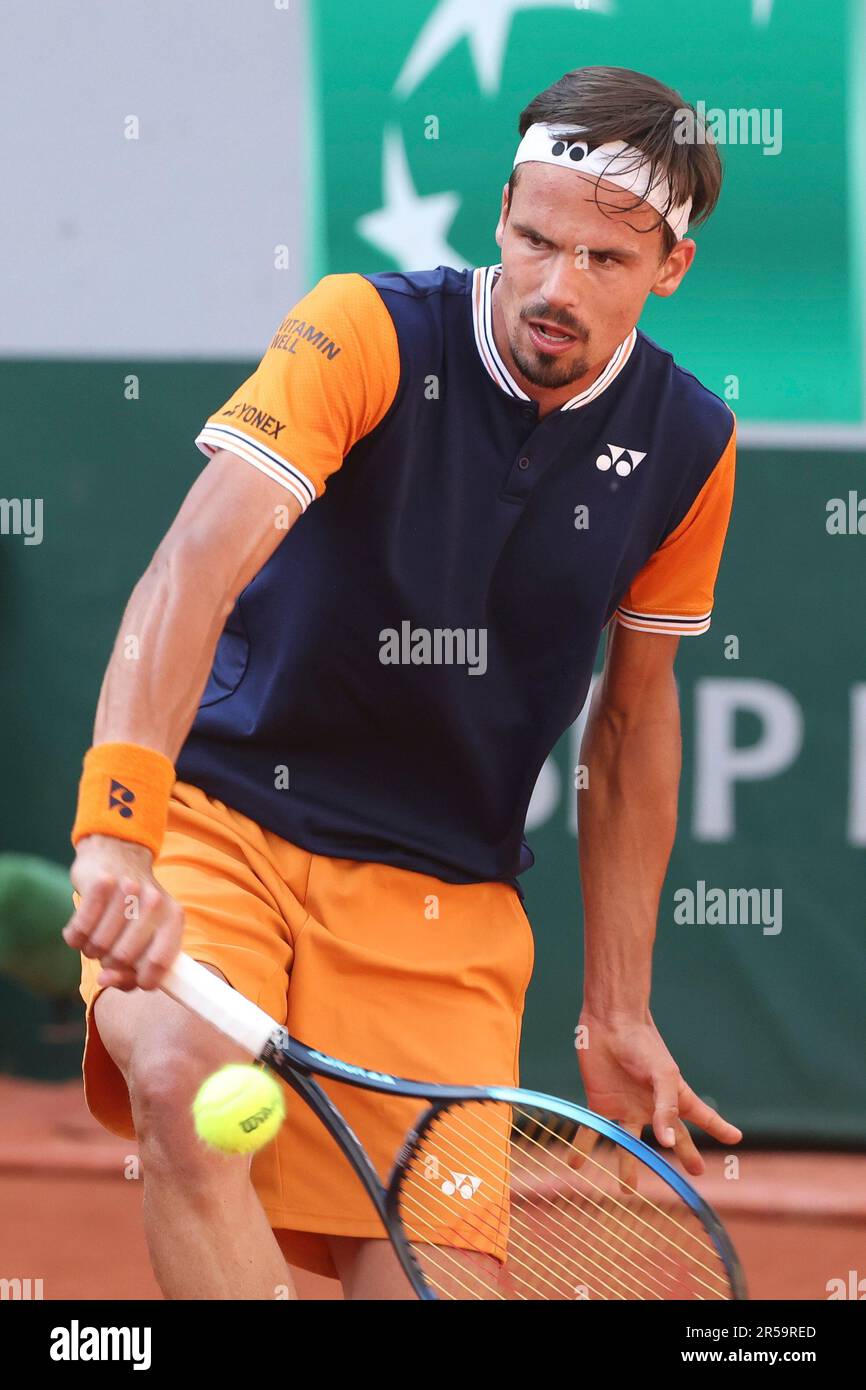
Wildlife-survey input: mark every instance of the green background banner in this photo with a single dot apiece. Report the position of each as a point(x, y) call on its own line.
point(778, 281)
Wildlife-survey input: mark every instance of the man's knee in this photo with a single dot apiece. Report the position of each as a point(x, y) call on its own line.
point(138, 1025)
point(162, 1087)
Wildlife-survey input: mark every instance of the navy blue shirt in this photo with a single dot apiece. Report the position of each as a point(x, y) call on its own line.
point(390, 683)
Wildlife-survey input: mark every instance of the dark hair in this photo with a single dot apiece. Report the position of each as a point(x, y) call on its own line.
point(618, 104)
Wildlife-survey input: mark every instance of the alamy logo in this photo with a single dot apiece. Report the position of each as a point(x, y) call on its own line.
point(719, 907)
point(438, 646)
point(77, 1343)
point(622, 461)
point(22, 516)
point(853, 1287)
point(24, 1289)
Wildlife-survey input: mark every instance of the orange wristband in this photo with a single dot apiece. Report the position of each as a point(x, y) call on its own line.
point(124, 791)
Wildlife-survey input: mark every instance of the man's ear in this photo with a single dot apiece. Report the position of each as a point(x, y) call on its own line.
point(503, 216)
point(675, 268)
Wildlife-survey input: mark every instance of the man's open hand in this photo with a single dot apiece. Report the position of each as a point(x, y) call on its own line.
point(630, 1077)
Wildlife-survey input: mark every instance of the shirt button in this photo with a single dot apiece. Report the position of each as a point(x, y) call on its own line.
point(523, 463)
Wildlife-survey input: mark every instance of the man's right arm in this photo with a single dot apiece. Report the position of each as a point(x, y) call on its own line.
point(230, 523)
point(328, 377)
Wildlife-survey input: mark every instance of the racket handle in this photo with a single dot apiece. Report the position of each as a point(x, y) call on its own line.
point(206, 995)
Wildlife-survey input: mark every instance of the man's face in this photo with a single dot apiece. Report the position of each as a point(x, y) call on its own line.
point(575, 277)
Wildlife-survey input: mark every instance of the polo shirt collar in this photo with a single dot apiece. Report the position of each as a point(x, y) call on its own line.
point(483, 281)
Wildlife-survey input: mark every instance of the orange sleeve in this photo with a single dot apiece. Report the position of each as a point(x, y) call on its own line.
point(328, 377)
point(673, 593)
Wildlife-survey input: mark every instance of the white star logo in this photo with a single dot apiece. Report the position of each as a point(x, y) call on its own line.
point(410, 228)
point(486, 24)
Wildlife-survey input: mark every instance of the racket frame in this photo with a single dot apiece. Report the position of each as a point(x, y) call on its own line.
point(212, 999)
point(298, 1064)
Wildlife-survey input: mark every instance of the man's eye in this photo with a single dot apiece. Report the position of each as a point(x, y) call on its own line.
point(534, 240)
point(602, 258)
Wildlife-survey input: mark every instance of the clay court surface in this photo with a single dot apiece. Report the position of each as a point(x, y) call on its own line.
point(70, 1208)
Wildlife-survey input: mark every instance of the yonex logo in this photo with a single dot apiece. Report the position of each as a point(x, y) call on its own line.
point(575, 150)
point(119, 798)
point(622, 461)
point(460, 1184)
point(259, 419)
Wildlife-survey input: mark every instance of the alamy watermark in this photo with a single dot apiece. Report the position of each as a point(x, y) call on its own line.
point(85, 1343)
point(437, 646)
point(22, 516)
point(852, 1287)
point(25, 1290)
point(754, 125)
point(729, 907)
point(846, 516)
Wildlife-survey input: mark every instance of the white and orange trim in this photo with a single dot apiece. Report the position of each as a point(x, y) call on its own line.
point(288, 475)
point(483, 282)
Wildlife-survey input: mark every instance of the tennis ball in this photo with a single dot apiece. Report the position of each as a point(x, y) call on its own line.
point(239, 1109)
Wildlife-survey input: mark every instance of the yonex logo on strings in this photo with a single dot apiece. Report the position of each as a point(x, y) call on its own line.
point(622, 461)
point(119, 798)
point(463, 1183)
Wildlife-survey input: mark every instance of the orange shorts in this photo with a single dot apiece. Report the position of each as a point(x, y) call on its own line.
point(391, 969)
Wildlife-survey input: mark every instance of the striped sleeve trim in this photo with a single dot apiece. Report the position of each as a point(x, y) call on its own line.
point(214, 437)
point(669, 624)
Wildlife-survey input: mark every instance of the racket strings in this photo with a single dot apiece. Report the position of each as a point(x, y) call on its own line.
point(680, 1250)
point(587, 1158)
point(614, 1206)
point(543, 1240)
point(584, 1277)
point(534, 1286)
point(535, 1220)
point(422, 1220)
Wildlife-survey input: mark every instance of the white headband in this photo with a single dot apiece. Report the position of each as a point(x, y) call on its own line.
point(616, 162)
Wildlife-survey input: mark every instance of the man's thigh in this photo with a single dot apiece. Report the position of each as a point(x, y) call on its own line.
point(145, 1029)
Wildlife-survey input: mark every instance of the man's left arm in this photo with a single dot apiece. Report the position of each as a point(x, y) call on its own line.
point(627, 822)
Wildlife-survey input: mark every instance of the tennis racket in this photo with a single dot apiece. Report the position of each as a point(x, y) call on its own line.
point(499, 1192)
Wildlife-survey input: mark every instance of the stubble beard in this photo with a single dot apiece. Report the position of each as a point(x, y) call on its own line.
point(551, 372)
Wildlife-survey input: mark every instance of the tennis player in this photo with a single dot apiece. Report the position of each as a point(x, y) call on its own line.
point(314, 776)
